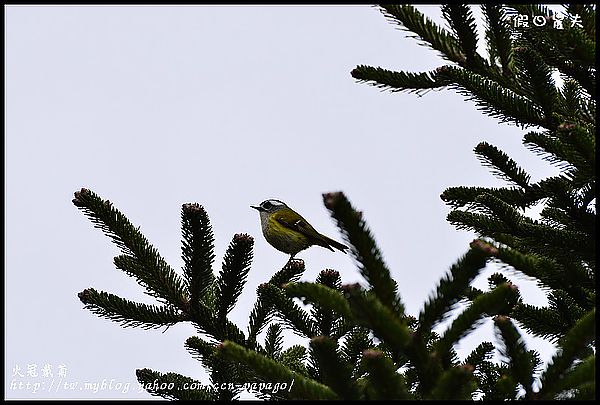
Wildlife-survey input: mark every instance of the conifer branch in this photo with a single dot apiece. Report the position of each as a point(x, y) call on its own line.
point(571, 277)
point(174, 386)
point(451, 288)
point(292, 271)
point(201, 350)
point(152, 271)
point(334, 373)
point(365, 250)
point(540, 321)
point(519, 232)
point(498, 301)
point(356, 342)
point(262, 312)
point(457, 197)
point(481, 353)
point(293, 358)
point(499, 42)
point(557, 50)
point(129, 313)
point(587, 12)
point(383, 380)
point(513, 349)
point(321, 294)
point(395, 81)
point(456, 383)
point(325, 318)
point(220, 329)
point(371, 313)
point(535, 79)
point(492, 98)
point(286, 309)
point(498, 209)
point(558, 153)
point(427, 31)
point(501, 165)
point(231, 279)
point(273, 341)
point(582, 373)
point(300, 386)
point(570, 348)
point(197, 250)
point(461, 21)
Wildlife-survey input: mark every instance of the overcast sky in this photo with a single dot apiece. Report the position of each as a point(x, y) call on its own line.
point(153, 107)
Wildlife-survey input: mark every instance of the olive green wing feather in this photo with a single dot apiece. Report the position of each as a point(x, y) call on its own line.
point(297, 223)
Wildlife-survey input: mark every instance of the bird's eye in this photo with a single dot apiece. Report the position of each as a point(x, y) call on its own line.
point(267, 205)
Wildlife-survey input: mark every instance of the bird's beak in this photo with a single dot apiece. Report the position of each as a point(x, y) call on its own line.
point(256, 208)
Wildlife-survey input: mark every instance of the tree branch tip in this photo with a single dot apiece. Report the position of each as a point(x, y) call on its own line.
point(351, 288)
point(142, 372)
point(330, 199)
point(565, 126)
point(468, 368)
point(243, 237)
point(192, 207)
point(84, 296)
point(330, 273)
point(262, 288)
point(501, 319)
point(484, 246)
point(318, 339)
point(77, 201)
point(370, 354)
point(295, 263)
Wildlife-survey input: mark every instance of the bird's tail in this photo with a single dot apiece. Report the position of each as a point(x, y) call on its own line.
point(330, 242)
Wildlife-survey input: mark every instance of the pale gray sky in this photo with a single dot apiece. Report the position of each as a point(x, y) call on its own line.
point(154, 106)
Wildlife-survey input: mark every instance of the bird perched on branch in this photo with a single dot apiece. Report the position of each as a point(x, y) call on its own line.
point(288, 232)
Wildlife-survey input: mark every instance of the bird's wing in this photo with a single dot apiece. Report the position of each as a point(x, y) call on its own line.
point(300, 225)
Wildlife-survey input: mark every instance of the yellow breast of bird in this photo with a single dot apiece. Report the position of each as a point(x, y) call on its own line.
point(284, 239)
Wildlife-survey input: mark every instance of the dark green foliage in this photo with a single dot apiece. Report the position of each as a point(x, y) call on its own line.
point(499, 41)
point(502, 165)
point(231, 280)
point(499, 300)
point(457, 383)
point(128, 313)
point(363, 344)
point(196, 250)
point(364, 250)
point(481, 353)
point(383, 382)
point(173, 386)
point(273, 341)
point(516, 83)
point(302, 388)
point(572, 346)
point(262, 312)
point(425, 30)
point(491, 97)
point(396, 81)
point(356, 342)
point(450, 288)
point(294, 358)
point(518, 359)
point(333, 371)
point(145, 264)
point(293, 316)
point(461, 21)
point(201, 298)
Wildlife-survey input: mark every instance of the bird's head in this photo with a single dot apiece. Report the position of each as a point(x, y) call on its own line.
point(270, 206)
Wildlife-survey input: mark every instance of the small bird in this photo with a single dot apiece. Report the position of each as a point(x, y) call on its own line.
point(288, 232)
